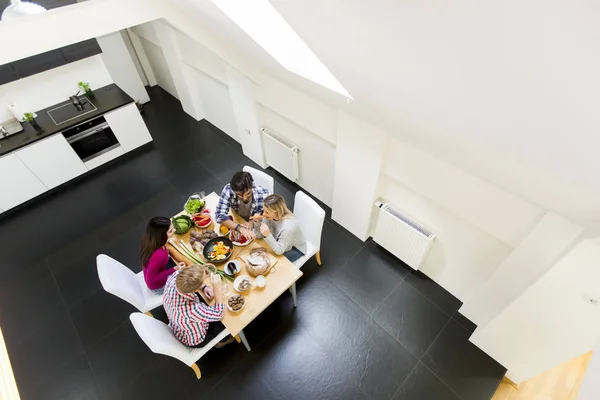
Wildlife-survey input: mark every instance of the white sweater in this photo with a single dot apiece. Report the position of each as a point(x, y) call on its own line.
point(285, 234)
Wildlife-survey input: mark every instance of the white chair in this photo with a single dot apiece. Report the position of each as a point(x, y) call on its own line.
point(311, 218)
point(160, 339)
point(260, 178)
point(124, 283)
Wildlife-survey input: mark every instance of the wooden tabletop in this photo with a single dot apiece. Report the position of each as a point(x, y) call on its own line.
point(278, 281)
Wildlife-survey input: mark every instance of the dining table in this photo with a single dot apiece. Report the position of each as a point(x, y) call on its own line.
point(281, 277)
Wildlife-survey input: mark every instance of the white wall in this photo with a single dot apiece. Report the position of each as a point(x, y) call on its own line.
point(71, 24)
point(358, 158)
point(462, 257)
point(549, 240)
point(159, 66)
point(53, 86)
point(552, 322)
point(120, 66)
point(216, 102)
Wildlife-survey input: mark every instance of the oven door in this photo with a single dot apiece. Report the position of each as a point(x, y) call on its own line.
point(92, 143)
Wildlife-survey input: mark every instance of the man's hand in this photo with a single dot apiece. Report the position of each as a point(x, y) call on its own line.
point(264, 229)
point(209, 292)
point(248, 233)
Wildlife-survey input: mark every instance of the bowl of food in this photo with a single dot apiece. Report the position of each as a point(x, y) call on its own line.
point(218, 250)
point(236, 302)
point(182, 224)
point(242, 283)
point(194, 204)
point(238, 239)
point(232, 268)
point(202, 220)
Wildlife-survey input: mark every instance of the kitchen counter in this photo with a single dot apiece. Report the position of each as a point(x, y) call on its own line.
point(105, 99)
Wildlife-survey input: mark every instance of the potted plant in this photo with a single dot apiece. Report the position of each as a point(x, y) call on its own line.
point(30, 117)
point(85, 86)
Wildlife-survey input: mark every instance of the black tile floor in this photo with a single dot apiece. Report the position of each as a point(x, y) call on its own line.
point(366, 326)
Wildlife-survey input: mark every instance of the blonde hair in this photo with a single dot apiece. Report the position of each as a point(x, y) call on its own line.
point(276, 204)
point(189, 279)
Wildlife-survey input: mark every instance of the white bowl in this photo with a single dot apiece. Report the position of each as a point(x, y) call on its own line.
point(239, 279)
point(260, 281)
point(235, 311)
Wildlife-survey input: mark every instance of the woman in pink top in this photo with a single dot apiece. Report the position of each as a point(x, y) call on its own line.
point(154, 255)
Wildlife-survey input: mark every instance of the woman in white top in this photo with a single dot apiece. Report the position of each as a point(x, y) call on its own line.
point(280, 229)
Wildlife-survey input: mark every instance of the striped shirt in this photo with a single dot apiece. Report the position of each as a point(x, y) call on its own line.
point(188, 316)
point(231, 200)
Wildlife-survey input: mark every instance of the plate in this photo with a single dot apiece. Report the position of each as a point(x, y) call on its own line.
point(239, 280)
point(239, 244)
point(243, 305)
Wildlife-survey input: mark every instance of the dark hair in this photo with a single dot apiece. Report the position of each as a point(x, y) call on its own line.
point(154, 238)
point(241, 182)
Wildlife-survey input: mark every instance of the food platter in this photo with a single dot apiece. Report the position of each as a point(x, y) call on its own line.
point(218, 250)
point(238, 239)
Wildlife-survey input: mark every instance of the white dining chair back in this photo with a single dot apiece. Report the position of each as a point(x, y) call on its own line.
point(119, 280)
point(311, 218)
point(261, 178)
point(160, 339)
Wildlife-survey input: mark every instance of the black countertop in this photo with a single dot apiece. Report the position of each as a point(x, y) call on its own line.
point(105, 99)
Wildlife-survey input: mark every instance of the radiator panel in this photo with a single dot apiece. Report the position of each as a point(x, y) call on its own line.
point(402, 236)
point(280, 154)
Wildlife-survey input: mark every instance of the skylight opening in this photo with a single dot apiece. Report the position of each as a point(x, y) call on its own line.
point(261, 21)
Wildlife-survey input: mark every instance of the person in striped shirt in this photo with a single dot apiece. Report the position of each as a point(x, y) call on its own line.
point(193, 322)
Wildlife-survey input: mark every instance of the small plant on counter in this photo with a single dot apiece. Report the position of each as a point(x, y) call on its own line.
point(30, 117)
point(85, 86)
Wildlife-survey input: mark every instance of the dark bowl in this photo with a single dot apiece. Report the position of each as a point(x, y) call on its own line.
point(211, 243)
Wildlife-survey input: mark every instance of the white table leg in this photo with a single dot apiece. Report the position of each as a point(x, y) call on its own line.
point(293, 289)
point(244, 340)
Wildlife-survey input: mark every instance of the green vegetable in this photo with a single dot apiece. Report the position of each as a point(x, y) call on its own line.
point(194, 206)
point(218, 271)
point(182, 224)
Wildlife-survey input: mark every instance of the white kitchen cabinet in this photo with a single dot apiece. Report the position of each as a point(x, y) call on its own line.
point(18, 183)
point(52, 160)
point(128, 126)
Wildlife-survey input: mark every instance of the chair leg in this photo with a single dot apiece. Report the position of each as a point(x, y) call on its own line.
point(244, 340)
point(293, 289)
point(148, 313)
point(319, 257)
point(237, 338)
point(196, 370)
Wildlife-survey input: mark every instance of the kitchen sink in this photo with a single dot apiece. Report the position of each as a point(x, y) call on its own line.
point(67, 111)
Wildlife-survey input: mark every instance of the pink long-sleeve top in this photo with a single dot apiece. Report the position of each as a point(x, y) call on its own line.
point(156, 272)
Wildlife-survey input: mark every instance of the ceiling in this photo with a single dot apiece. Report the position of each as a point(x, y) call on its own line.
point(506, 90)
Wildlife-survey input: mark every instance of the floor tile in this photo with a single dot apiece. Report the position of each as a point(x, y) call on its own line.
point(113, 229)
point(157, 381)
point(465, 322)
point(336, 247)
point(79, 281)
point(167, 202)
point(366, 281)
point(412, 319)
point(28, 300)
point(125, 247)
point(195, 178)
point(119, 358)
point(422, 384)
point(381, 364)
point(63, 258)
point(298, 368)
point(434, 292)
point(463, 366)
point(98, 315)
point(51, 346)
point(73, 381)
point(387, 258)
point(223, 163)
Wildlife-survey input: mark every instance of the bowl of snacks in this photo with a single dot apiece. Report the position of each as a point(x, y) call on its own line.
point(242, 283)
point(236, 302)
point(218, 249)
point(202, 220)
point(232, 268)
point(238, 239)
point(194, 204)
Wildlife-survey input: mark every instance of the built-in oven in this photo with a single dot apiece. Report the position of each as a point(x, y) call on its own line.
point(91, 138)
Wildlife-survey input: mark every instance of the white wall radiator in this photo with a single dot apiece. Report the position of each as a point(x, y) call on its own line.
point(281, 154)
point(401, 235)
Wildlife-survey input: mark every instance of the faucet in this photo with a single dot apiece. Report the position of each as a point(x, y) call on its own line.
point(76, 102)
